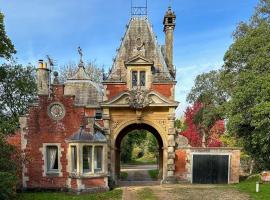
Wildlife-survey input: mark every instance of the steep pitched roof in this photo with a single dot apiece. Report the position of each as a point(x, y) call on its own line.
point(139, 40)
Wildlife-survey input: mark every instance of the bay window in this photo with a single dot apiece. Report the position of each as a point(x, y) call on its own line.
point(86, 159)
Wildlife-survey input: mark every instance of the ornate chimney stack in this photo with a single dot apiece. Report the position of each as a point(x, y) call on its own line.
point(42, 78)
point(169, 25)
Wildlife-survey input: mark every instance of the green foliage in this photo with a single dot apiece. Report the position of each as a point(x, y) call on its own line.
point(240, 91)
point(153, 174)
point(249, 186)
point(230, 141)
point(179, 125)
point(6, 46)
point(209, 92)
point(115, 194)
point(17, 89)
point(8, 169)
point(247, 75)
point(139, 147)
point(123, 175)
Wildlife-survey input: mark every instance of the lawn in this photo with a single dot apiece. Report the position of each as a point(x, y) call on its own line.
point(145, 194)
point(110, 195)
point(248, 186)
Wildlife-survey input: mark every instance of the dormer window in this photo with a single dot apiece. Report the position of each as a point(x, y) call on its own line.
point(138, 78)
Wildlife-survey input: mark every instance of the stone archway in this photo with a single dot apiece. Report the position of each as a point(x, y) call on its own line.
point(138, 126)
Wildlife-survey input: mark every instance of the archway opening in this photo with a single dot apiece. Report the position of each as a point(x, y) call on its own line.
point(139, 154)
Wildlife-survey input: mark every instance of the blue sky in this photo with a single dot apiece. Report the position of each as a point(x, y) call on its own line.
point(58, 27)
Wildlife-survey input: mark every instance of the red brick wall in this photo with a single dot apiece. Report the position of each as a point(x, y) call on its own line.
point(115, 89)
point(97, 182)
point(42, 129)
point(180, 164)
point(164, 89)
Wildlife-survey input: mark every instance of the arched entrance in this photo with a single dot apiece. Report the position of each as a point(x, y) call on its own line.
point(129, 126)
point(128, 129)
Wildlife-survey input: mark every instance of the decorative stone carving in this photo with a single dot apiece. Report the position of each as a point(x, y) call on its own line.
point(162, 123)
point(138, 98)
point(115, 124)
point(181, 141)
point(139, 48)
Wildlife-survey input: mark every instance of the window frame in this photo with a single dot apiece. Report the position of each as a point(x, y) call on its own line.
point(47, 170)
point(80, 169)
point(138, 80)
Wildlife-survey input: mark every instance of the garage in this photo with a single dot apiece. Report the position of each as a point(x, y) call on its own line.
point(210, 169)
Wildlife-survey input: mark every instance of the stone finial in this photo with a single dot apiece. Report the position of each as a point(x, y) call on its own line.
point(55, 80)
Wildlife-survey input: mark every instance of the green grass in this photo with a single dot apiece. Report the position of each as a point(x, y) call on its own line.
point(110, 195)
point(249, 186)
point(123, 175)
point(153, 174)
point(146, 194)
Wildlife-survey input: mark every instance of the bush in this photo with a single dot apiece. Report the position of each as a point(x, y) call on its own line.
point(7, 185)
point(8, 170)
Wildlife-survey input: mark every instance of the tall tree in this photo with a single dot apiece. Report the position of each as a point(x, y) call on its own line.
point(17, 89)
point(246, 78)
point(208, 91)
point(6, 46)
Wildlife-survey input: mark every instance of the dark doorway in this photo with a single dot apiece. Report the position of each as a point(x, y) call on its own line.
point(210, 169)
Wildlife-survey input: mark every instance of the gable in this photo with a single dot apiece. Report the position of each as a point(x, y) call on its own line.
point(139, 60)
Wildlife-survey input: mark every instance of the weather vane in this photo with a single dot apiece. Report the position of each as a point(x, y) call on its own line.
point(81, 54)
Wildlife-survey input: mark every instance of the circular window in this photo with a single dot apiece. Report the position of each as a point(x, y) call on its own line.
point(56, 111)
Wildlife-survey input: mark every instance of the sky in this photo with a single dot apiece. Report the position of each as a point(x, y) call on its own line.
point(57, 27)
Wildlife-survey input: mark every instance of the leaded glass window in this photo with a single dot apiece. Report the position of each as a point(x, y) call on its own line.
point(87, 159)
point(98, 158)
point(142, 78)
point(134, 78)
point(73, 158)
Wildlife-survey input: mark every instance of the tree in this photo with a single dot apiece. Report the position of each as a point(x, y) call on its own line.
point(6, 46)
point(69, 70)
point(192, 131)
point(8, 170)
point(208, 91)
point(17, 89)
point(246, 78)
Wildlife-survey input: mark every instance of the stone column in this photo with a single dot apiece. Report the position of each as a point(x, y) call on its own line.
point(106, 120)
point(171, 147)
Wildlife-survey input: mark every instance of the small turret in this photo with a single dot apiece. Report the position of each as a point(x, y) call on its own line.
point(169, 25)
point(42, 78)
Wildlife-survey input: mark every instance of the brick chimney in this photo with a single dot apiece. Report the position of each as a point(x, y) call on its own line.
point(42, 78)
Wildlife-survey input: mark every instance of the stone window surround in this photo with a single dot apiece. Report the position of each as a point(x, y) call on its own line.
point(43, 150)
point(148, 73)
point(214, 154)
point(79, 172)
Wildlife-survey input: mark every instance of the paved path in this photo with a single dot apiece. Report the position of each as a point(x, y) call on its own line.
point(138, 172)
point(186, 192)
